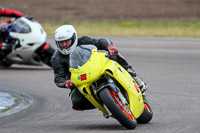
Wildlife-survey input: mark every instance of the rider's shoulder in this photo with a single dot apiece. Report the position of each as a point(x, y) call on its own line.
point(85, 38)
point(57, 55)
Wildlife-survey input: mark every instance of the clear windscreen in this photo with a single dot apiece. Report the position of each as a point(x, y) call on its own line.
point(20, 26)
point(80, 55)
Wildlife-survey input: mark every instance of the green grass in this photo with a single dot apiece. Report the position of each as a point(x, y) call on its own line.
point(143, 29)
point(5, 110)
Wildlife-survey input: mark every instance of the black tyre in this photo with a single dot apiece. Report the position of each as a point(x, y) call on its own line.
point(5, 63)
point(119, 111)
point(3, 60)
point(47, 58)
point(45, 54)
point(146, 115)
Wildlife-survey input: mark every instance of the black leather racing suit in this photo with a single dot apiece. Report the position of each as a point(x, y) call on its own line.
point(60, 65)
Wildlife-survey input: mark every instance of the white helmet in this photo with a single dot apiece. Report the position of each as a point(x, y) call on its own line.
point(66, 34)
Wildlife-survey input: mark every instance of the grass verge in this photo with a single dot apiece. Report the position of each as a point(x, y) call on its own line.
point(150, 29)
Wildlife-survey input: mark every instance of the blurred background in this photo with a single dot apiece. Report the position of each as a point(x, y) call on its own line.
point(108, 10)
point(112, 11)
point(169, 65)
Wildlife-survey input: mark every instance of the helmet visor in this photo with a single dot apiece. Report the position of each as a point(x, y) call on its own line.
point(65, 44)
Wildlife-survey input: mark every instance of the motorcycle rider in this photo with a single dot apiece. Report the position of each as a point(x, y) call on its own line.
point(9, 13)
point(66, 40)
point(4, 26)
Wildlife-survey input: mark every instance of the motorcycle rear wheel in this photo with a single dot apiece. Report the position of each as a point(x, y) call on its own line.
point(46, 54)
point(120, 111)
point(46, 58)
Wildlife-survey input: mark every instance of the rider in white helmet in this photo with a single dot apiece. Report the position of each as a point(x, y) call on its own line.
point(66, 40)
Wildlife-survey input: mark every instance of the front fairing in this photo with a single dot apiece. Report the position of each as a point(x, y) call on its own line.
point(27, 32)
point(92, 68)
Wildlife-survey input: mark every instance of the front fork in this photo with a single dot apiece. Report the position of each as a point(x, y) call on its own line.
point(112, 87)
point(118, 92)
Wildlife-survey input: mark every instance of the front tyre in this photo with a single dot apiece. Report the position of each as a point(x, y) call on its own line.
point(3, 60)
point(120, 111)
point(6, 64)
point(147, 115)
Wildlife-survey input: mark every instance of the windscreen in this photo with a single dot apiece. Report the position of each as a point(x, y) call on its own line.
point(80, 55)
point(20, 26)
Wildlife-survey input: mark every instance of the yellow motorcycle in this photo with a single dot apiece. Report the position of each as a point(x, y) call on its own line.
point(108, 86)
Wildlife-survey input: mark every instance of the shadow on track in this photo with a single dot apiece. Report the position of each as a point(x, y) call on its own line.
point(94, 127)
point(22, 67)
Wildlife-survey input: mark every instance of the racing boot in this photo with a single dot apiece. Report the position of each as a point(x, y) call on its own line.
point(142, 85)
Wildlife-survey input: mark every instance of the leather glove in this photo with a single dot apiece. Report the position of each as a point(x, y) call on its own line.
point(112, 50)
point(69, 84)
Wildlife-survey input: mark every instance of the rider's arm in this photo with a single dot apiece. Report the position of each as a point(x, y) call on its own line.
point(60, 71)
point(101, 44)
point(5, 12)
point(6, 21)
point(10, 13)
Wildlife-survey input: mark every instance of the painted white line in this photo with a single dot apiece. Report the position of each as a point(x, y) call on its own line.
point(2, 108)
point(25, 102)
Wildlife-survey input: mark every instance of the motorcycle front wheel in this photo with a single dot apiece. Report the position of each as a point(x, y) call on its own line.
point(147, 115)
point(120, 111)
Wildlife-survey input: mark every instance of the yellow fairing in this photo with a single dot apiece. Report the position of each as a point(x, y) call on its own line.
point(99, 65)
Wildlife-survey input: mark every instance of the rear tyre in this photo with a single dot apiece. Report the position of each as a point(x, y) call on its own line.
point(47, 58)
point(45, 52)
point(147, 115)
point(120, 111)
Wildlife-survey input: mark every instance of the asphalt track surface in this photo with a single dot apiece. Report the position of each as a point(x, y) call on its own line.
point(169, 66)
